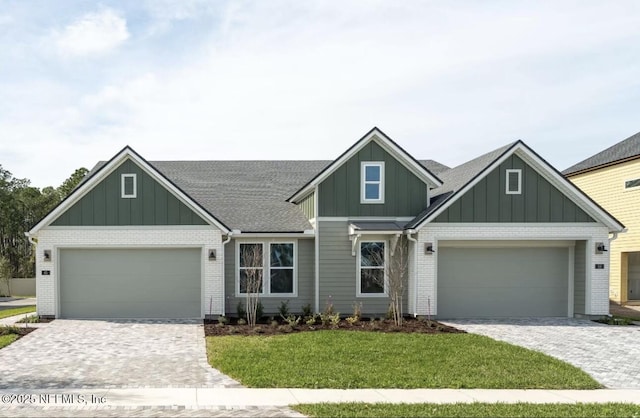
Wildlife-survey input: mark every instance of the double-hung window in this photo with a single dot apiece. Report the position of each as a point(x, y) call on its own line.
point(371, 269)
point(273, 274)
point(372, 182)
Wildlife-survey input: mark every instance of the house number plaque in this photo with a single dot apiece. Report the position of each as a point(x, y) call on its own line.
point(599, 266)
point(46, 272)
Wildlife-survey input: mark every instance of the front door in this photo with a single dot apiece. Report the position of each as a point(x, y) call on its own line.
point(634, 276)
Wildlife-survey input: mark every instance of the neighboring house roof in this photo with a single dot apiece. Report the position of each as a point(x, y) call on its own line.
point(620, 152)
point(460, 179)
point(388, 145)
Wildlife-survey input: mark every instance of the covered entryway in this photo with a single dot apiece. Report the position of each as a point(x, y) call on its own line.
point(633, 273)
point(130, 283)
point(484, 280)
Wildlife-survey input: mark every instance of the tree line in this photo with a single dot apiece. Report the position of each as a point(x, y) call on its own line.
point(21, 207)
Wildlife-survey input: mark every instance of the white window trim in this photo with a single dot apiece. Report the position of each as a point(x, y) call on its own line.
point(385, 293)
point(266, 268)
point(364, 182)
point(518, 171)
point(123, 178)
point(624, 184)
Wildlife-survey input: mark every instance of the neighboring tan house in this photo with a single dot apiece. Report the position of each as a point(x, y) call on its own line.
point(503, 235)
point(612, 179)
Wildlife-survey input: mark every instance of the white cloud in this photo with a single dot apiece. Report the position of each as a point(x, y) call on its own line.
point(93, 33)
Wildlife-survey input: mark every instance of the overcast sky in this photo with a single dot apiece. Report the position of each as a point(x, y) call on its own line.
point(205, 80)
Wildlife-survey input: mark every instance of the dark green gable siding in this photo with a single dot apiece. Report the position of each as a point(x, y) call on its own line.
point(339, 194)
point(103, 206)
point(540, 201)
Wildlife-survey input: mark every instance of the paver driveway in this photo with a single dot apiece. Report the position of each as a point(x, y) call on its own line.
point(610, 354)
point(110, 354)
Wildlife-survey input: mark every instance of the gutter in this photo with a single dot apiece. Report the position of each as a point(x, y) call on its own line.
point(410, 232)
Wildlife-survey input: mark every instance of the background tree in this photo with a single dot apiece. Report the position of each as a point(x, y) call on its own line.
point(21, 207)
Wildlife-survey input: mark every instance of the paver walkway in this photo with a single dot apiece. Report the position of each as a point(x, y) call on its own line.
point(110, 354)
point(610, 354)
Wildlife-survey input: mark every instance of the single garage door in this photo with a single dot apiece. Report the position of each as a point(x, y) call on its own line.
point(502, 282)
point(130, 283)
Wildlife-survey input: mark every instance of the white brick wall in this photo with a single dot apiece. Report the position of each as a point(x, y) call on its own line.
point(597, 285)
point(56, 238)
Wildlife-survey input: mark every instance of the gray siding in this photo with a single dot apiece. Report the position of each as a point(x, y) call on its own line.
point(308, 206)
point(339, 194)
point(306, 280)
point(579, 275)
point(540, 201)
point(338, 273)
point(104, 206)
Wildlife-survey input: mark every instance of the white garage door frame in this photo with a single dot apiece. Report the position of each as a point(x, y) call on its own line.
point(57, 250)
point(488, 243)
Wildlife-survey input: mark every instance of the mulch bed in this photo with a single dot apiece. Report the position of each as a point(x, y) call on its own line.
point(17, 330)
point(410, 325)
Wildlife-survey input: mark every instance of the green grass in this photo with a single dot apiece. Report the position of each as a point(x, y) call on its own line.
point(468, 410)
point(5, 340)
point(17, 311)
point(347, 359)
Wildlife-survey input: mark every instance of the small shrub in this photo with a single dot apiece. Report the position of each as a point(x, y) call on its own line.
point(259, 311)
point(292, 320)
point(10, 329)
point(307, 312)
point(352, 320)
point(311, 320)
point(328, 308)
point(242, 321)
point(283, 309)
point(614, 320)
point(274, 323)
point(241, 311)
point(334, 319)
point(222, 320)
point(357, 309)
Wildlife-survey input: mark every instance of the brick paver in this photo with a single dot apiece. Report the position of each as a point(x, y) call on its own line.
point(610, 354)
point(110, 354)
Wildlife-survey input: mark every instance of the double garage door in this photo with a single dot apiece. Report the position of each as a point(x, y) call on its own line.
point(130, 283)
point(479, 282)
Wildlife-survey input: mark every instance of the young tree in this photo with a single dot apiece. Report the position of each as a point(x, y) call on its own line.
point(251, 272)
point(396, 268)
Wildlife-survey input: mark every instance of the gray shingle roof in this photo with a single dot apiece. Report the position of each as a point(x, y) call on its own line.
point(628, 148)
point(456, 178)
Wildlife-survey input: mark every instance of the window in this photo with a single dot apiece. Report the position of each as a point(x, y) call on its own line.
point(514, 181)
point(128, 186)
point(278, 270)
point(281, 268)
point(251, 268)
point(632, 184)
point(372, 182)
point(372, 280)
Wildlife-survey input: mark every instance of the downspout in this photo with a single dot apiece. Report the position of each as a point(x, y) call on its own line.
point(410, 232)
point(224, 272)
point(317, 250)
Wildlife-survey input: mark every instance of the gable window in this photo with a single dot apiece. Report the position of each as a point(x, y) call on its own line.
point(632, 184)
point(372, 182)
point(274, 274)
point(514, 181)
point(128, 186)
point(371, 269)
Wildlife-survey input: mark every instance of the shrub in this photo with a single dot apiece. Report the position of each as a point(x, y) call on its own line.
point(241, 311)
point(259, 311)
point(307, 312)
point(283, 309)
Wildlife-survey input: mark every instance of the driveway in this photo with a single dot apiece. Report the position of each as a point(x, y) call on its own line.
point(110, 354)
point(610, 354)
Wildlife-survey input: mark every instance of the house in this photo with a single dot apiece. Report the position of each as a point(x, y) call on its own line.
point(503, 235)
point(612, 178)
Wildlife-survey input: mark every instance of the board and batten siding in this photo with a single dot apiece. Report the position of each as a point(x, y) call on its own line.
point(539, 201)
point(104, 206)
point(606, 187)
point(579, 277)
point(308, 206)
point(339, 273)
point(305, 272)
point(404, 193)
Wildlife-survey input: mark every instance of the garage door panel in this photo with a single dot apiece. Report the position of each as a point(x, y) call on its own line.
point(502, 282)
point(130, 283)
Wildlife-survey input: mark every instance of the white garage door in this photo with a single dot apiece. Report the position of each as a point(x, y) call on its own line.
point(502, 282)
point(130, 283)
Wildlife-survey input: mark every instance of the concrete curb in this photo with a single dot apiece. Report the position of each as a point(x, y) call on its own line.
point(214, 397)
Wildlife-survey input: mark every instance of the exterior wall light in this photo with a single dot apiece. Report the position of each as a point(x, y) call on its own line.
point(600, 248)
point(428, 248)
point(212, 255)
point(47, 255)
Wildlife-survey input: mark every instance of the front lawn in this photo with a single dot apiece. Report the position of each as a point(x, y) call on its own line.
point(347, 359)
point(5, 340)
point(17, 311)
point(468, 410)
